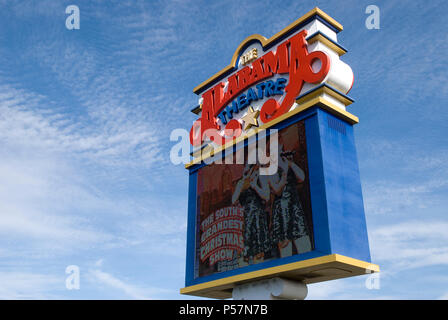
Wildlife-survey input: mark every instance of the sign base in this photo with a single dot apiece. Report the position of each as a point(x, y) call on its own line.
point(329, 267)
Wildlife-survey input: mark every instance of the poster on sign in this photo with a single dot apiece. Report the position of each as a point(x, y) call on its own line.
point(245, 218)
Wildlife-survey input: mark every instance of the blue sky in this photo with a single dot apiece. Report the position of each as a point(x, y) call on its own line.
point(85, 118)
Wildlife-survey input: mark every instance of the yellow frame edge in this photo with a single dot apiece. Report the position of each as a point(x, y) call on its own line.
point(282, 268)
point(325, 104)
point(328, 43)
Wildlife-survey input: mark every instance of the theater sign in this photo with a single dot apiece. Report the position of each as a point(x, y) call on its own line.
point(305, 221)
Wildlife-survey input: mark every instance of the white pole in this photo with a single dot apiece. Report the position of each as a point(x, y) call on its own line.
point(271, 289)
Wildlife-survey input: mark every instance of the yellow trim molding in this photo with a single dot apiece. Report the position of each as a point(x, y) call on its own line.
point(329, 267)
point(325, 90)
point(306, 103)
point(319, 37)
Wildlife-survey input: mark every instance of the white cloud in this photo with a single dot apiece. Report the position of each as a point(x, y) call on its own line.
point(402, 180)
point(24, 125)
point(444, 296)
point(324, 290)
point(349, 288)
point(411, 244)
point(22, 285)
point(390, 197)
point(130, 290)
point(49, 207)
point(98, 263)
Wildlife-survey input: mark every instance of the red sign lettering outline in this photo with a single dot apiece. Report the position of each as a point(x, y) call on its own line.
point(299, 67)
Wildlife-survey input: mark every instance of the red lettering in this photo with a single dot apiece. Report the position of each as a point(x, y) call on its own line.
point(232, 129)
point(244, 77)
point(298, 65)
point(300, 70)
point(218, 96)
point(276, 62)
point(232, 88)
point(257, 71)
point(206, 122)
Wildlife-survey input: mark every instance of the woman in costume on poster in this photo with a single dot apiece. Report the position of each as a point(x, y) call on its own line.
point(226, 195)
point(253, 193)
point(289, 223)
